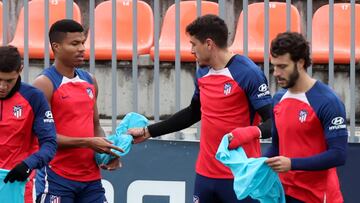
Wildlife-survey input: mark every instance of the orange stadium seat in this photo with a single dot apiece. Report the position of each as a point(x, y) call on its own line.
point(167, 37)
point(256, 26)
point(1, 23)
point(57, 11)
point(342, 36)
point(124, 42)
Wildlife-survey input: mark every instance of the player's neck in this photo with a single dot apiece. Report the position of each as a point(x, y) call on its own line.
point(64, 70)
point(303, 84)
point(220, 59)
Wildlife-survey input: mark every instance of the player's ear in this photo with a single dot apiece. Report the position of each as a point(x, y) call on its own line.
point(20, 69)
point(300, 63)
point(55, 46)
point(210, 43)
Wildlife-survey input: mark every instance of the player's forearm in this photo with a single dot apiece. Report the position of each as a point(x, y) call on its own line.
point(266, 116)
point(72, 142)
point(333, 157)
point(273, 150)
point(180, 120)
point(45, 154)
point(265, 129)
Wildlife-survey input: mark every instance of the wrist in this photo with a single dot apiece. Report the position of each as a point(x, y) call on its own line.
point(85, 142)
point(25, 165)
point(146, 133)
point(294, 164)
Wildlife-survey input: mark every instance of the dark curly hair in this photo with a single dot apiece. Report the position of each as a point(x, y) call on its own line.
point(293, 43)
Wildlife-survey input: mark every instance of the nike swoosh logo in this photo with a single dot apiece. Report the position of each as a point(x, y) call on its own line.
point(64, 97)
point(28, 171)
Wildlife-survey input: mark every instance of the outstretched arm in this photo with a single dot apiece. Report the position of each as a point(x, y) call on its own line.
point(178, 121)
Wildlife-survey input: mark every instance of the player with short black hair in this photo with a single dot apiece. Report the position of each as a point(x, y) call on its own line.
point(230, 93)
point(73, 175)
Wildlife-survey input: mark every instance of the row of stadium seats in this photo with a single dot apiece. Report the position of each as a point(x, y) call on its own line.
point(103, 38)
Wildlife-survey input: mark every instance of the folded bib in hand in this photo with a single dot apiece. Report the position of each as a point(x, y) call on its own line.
point(11, 192)
point(252, 177)
point(120, 138)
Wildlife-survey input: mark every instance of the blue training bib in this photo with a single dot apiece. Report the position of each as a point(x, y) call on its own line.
point(11, 192)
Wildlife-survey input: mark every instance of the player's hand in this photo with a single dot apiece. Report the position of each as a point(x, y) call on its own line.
point(139, 134)
point(19, 173)
point(112, 165)
point(279, 164)
point(240, 136)
point(102, 145)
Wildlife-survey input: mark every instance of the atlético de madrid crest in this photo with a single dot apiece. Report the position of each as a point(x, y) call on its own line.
point(90, 92)
point(17, 111)
point(227, 88)
point(302, 116)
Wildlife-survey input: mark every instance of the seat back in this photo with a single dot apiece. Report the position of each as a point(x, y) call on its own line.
point(256, 26)
point(167, 36)
point(342, 33)
point(124, 27)
point(57, 11)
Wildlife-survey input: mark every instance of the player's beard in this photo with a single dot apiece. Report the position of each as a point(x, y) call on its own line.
point(293, 77)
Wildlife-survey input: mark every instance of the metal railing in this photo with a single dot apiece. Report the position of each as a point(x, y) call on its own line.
point(156, 70)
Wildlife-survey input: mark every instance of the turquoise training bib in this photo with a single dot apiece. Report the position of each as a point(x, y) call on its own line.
point(11, 192)
point(120, 138)
point(252, 177)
